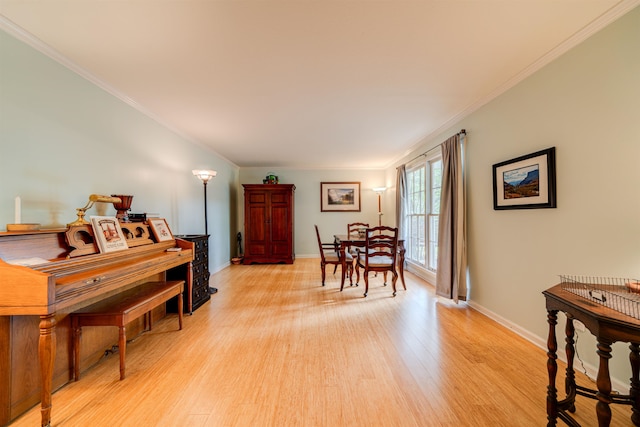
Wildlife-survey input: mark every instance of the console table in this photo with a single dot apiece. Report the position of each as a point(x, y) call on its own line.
point(608, 326)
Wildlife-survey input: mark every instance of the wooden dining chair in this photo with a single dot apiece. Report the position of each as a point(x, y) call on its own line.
point(378, 255)
point(353, 229)
point(330, 254)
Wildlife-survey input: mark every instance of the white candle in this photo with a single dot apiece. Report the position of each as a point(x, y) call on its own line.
point(17, 218)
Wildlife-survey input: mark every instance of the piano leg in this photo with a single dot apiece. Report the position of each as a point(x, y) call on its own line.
point(47, 354)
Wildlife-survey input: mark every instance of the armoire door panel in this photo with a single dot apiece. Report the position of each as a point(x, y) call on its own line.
point(280, 224)
point(254, 249)
point(280, 249)
point(279, 198)
point(258, 218)
point(258, 198)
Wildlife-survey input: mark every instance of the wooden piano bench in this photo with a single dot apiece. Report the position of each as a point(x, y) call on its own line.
point(121, 309)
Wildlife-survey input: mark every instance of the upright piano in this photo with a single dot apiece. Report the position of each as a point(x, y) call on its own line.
point(54, 280)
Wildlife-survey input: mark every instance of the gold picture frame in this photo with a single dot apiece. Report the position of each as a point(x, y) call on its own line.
point(340, 197)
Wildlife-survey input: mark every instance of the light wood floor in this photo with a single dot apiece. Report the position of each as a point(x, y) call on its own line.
point(274, 348)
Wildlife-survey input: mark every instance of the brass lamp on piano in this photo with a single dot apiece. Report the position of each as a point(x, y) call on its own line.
point(92, 199)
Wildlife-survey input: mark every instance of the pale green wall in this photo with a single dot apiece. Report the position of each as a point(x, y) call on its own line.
point(587, 104)
point(63, 138)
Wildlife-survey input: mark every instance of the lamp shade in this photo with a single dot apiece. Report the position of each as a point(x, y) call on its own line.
point(204, 174)
point(379, 189)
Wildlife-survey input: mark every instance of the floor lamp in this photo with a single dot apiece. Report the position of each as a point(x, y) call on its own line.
point(379, 191)
point(205, 175)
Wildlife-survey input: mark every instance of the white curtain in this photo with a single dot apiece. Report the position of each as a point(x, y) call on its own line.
point(451, 277)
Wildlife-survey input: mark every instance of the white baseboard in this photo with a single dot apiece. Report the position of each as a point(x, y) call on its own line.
point(621, 387)
point(424, 274)
point(220, 268)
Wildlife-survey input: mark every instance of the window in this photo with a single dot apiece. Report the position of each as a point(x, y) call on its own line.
point(434, 212)
point(416, 212)
point(424, 179)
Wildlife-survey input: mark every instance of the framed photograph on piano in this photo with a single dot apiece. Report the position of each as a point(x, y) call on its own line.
point(108, 234)
point(160, 229)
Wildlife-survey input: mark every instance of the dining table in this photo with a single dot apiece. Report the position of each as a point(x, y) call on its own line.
point(344, 241)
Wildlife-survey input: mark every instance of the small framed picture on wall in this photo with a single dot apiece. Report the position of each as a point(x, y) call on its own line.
point(340, 197)
point(526, 182)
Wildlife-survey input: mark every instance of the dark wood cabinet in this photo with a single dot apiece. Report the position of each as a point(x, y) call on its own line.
point(198, 271)
point(268, 223)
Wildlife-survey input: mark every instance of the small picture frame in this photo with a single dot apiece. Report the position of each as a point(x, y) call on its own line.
point(340, 197)
point(526, 182)
point(160, 229)
point(108, 234)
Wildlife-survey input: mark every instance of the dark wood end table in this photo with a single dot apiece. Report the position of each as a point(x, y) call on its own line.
point(608, 326)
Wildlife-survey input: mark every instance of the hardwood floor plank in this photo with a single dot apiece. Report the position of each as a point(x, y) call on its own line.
point(274, 348)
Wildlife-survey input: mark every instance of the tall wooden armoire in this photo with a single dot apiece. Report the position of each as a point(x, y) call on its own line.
point(268, 223)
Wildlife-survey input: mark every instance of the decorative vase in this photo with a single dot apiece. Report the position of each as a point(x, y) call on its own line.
point(123, 207)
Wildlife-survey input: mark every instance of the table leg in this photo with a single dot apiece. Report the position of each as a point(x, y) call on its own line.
point(343, 259)
point(189, 290)
point(122, 349)
point(401, 252)
point(552, 369)
point(570, 378)
point(603, 381)
point(47, 355)
point(634, 392)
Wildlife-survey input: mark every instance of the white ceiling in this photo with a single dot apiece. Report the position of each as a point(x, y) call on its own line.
point(307, 83)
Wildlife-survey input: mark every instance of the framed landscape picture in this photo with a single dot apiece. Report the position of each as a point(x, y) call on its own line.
point(526, 182)
point(340, 197)
point(160, 229)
